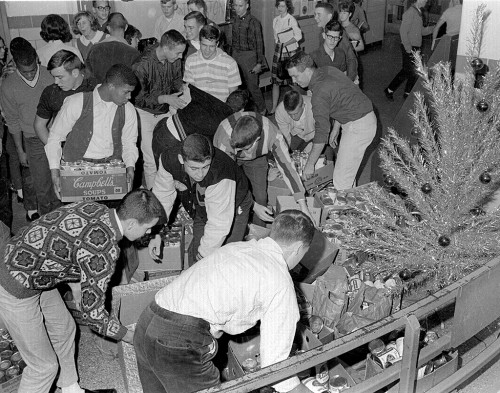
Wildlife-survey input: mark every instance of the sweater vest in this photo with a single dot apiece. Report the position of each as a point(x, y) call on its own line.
point(78, 140)
point(193, 198)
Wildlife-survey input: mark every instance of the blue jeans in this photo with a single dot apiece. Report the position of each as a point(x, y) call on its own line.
point(42, 179)
point(174, 352)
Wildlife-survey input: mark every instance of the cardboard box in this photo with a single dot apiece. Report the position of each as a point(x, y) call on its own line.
point(276, 188)
point(128, 302)
point(93, 185)
point(288, 202)
point(11, 386)
point(321, 176)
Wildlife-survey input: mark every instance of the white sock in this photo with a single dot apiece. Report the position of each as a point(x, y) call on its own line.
point(31, 212)
point(390, 91)
point(75, 388)
point(20, 193)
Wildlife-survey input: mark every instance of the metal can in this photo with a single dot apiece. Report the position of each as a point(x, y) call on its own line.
point(4, 345)
point(16, 358)
point(12, 372)
point(323, 376)
point(376, 346)
point(249, 365)
point(430, 336)
point(338, 383)
point(6, 355)
point(6, 335)
point(5, 364)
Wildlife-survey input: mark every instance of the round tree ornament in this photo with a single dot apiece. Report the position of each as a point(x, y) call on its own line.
point(444, 241)
point(477, 64)
point(482, 106)
point(485, 178)
point(426, 188)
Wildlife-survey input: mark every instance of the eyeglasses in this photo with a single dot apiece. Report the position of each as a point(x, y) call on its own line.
point(106, 8)
point(333, 38)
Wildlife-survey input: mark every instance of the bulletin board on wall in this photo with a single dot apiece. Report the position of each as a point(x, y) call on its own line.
point(143, 13)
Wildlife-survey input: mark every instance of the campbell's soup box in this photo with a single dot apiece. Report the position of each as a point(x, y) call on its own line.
point(85, 181)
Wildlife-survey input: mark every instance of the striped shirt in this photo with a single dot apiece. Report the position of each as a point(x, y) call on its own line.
point(216, 76)
point(271, 141)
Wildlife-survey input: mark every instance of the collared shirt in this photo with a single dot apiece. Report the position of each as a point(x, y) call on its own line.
point(335, 96)
point(271, 141)
point(156, 78)
point(217, 76)
point(101, 143)
point(247, 36)
point(452, 16)
point(236, 286)
point(303, 128)
point(287, 22)
point(46, 52)
point(163, 24)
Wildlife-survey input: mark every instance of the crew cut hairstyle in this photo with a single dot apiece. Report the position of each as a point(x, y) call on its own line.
point(22, 52)
point(291, 100)
point(197, 148)
point(172, 38)
point(238, 100)
point(326, 6)
point(131, 33)
point(347, 6)
point(199, 4)
point(54, 27)
point(116, 21)
point(291, 226)
point(65, 58)
point(141, 205)
point(198, 16)
point(120, 75)
point(301, 61)
point(210, 33)
point(245, 132)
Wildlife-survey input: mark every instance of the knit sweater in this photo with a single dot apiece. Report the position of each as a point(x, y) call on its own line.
point(76, 242)
point(19, 101)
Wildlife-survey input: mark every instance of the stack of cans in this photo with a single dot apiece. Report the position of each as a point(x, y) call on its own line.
point(11, 362)
point(83, 165)
point(173, 237)
point(299, 159)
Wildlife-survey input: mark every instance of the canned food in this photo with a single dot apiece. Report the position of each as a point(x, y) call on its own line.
point(6, 355)
point(4, 345)
point(249, 365)
point(5, 364)
point(338, 383)
point(322, 376)
point(12, 372)
point(15, 358)
point(430, 336)
point(376, 346)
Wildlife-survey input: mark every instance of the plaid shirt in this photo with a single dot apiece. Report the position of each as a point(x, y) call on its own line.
point(247, 36)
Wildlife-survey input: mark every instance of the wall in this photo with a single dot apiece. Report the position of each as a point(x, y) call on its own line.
point(25, 17)
point(490, 50)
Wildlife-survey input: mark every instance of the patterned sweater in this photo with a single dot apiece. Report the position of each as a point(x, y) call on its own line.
point(77, 242)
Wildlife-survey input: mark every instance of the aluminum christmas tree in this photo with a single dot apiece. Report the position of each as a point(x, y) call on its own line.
point(440, 229)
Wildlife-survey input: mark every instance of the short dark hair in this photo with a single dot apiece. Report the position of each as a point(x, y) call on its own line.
point(347, 6)
point(65, 58)
point(116, 21)
point(291, 226)
point(326, 6)
point(289, 5)
point(209, 32)
point(196, 147)
point(132, 32)
point(54, 27)
point(198, 16)
point(200, 4)
point(245, 132)
point(94, 24)
point(22, 52)
point(301, 61)
point(119, 75)
point(141, 205)
point(334, 25)
point(94, 3)
point(238, 100)
point(172, 38)
point(291, 100)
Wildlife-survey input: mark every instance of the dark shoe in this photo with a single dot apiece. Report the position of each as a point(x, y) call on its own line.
point(388, 94)
point(33, 217)
point(100, 391)
point(405, 96)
